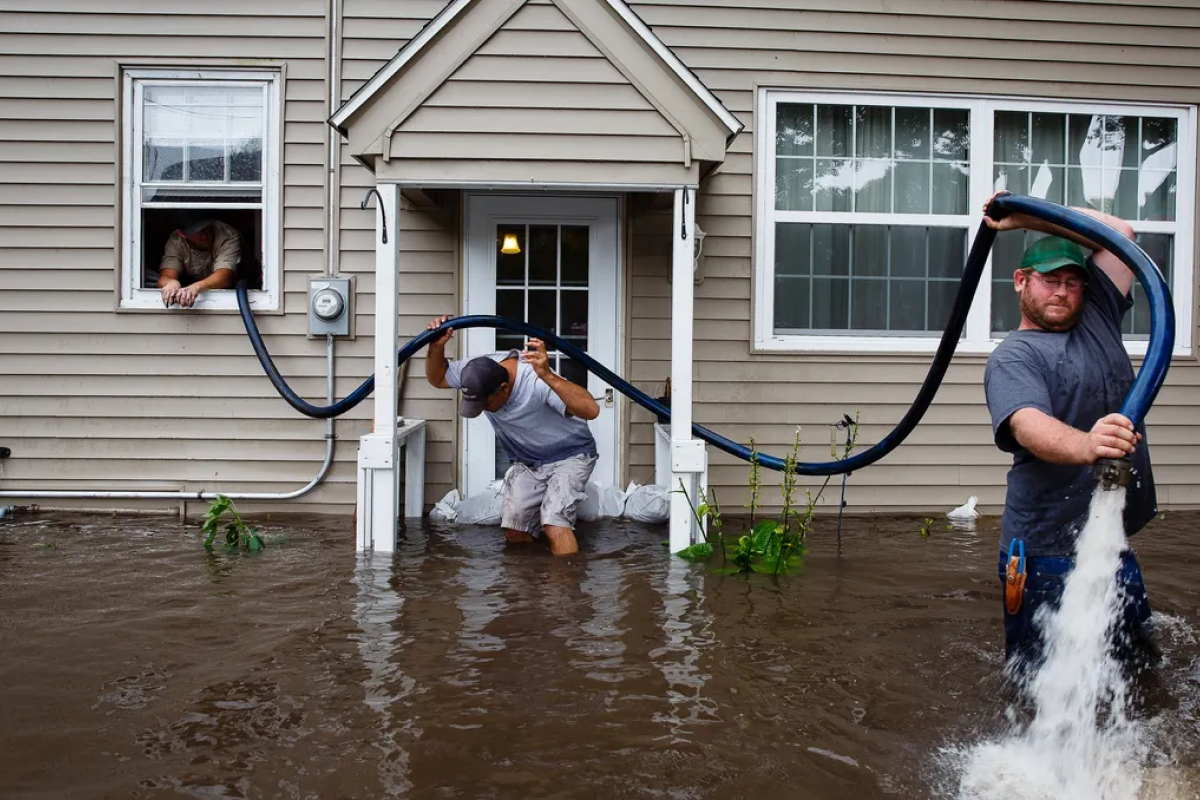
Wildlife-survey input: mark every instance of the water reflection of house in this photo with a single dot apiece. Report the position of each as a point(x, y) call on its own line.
point(840, 156)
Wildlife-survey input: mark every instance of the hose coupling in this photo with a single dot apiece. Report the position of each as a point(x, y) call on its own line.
point(1112, 472)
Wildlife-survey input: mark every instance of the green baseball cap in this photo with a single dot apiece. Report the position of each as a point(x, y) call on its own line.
point(1051, 253)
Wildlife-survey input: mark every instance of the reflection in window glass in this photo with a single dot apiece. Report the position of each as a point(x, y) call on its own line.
point(882, 278)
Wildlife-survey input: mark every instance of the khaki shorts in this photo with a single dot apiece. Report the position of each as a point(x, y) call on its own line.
point(545, 495)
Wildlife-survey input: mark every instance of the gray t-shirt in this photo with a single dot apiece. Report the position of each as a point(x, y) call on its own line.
point(1077, 376)
point(533, 426)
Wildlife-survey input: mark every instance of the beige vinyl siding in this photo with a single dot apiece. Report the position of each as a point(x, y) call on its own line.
point(522, 105)
point(92, 398)
point(373, 31)
point(1103, 51)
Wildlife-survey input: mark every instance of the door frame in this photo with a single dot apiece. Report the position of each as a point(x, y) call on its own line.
point(481, 213)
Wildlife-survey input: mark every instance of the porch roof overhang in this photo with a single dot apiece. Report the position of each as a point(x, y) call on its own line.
point(688, 113)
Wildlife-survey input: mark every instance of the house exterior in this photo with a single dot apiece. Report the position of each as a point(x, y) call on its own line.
point(834, 157)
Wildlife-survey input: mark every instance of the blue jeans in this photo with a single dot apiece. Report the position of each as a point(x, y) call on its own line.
point(1045, 577)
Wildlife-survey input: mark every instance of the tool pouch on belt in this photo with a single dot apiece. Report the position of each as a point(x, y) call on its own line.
point(1014, 578)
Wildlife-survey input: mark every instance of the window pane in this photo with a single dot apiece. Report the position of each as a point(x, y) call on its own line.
point(873, 186)
point(793, 184)
point(794, 129)
point(574, 255)
point(951, 134)
point(947, 252)
point(873, 132)
point(1010, 138)
point(833, 130)
point(907, 305)
point(833, 182)
point(941, 302)
point(245, 160)
point(830, 303)
point(510, 304)
point(1049, 135)
point(543, 255)
point(793, 242)
point(163, 161)
point(1160, 247)
point(865, 277)
point(574, 317)
point(510, 267)
point(951, 183)
point(543, 309)
point(213, 133)
point(870, 250)
point(1157, 193)
point(869, 304)
point(912, 133)
point(205, 161)
point(831, 250)
point(791, 303)
point(908, 252)
point(912, 187)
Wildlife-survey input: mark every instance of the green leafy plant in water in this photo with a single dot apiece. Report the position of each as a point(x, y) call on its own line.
point(926, 528)
point(770, 546)
point(238, 535)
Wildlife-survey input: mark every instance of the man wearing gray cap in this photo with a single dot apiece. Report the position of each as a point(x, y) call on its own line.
point(538, 418)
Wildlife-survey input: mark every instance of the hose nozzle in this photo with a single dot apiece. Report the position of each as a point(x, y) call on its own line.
point(1112, 472)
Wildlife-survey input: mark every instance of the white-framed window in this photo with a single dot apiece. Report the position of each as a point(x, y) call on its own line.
point(198, 145)
point(868, 204)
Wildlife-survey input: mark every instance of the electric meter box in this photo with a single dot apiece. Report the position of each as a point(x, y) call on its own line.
point(330, 306)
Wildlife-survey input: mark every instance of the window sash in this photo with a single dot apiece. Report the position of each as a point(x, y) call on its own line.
point(978, 336)
point(269, 188)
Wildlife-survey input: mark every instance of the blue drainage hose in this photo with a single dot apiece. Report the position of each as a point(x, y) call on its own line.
point(1149, 379)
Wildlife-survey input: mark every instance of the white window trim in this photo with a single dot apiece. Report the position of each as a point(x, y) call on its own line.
point(977, 336)
point(132, 295)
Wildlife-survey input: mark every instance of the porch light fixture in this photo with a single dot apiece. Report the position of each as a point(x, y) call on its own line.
point(510, 246)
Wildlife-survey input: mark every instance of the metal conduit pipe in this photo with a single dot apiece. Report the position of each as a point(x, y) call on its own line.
point(1141, 394)
point(87, 494)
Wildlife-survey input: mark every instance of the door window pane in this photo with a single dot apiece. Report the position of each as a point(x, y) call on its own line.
point(510, 266)
point(543, 255)
point(574, 239)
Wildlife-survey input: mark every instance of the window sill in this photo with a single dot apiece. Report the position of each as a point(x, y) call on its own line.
point(213, 301)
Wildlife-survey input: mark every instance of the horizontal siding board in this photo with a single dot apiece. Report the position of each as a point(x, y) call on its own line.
point(522, 119)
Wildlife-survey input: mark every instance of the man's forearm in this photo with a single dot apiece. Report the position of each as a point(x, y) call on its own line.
point(220, 279)
point(1048, 438)
point(1035, 224)
point(578, 400)
point(436, 365)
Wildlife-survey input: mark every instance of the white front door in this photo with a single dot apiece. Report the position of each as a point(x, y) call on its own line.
point(563, 274)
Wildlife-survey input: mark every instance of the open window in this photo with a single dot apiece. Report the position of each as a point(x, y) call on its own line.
point(201, 145)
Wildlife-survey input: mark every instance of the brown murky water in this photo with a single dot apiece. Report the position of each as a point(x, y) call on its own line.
point(134, 664)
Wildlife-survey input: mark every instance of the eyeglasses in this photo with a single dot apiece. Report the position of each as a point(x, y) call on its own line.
point(1054, 284)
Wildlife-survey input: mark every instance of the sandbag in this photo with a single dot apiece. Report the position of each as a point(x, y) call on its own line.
point(589, 509)
point(483, 508)
point(446, 509)
point(647, 503)
point(612, 502)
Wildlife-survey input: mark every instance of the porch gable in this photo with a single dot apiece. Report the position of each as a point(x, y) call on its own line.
point(542, 91)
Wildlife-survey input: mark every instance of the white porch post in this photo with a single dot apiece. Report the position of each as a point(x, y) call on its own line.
point(687, 454)
point(378, 457)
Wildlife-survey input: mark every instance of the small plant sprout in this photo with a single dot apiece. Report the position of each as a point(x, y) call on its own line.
point(238, 535)
point(926, 528)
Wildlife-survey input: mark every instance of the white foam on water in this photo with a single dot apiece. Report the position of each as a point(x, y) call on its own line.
point(1081, 743)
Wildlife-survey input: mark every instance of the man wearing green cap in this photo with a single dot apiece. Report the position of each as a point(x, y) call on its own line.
point(1054, 387)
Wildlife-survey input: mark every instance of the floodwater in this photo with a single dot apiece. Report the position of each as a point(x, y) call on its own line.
point(133, 664)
